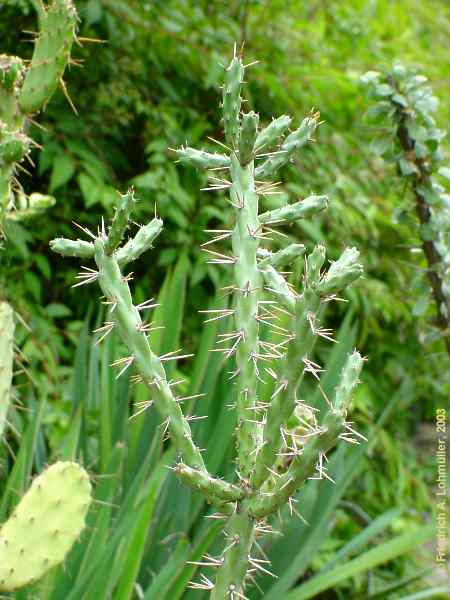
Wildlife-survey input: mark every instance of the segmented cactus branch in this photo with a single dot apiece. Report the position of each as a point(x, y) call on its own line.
point(126, 318)
point(310, 458)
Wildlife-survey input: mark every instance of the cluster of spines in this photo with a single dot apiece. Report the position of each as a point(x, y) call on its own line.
point(261, 428)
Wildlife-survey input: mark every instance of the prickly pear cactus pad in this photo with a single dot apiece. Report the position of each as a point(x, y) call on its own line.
point(44, 526)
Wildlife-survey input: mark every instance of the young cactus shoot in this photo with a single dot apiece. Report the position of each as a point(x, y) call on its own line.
point(273, 459)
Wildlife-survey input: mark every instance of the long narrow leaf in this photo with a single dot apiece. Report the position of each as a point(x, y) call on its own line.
point(369, 560)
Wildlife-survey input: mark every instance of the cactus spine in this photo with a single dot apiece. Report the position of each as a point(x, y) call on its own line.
point(44, 526)
point(263, 430)
point(26, 90)
point(6, 360)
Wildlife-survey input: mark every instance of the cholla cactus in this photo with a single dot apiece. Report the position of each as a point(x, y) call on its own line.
point(44, 526)
point(405, 99)
point(26, 90)
point(280, 444)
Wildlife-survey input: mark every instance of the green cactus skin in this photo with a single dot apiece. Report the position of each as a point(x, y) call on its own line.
point(249, 131)
point(282, 258)
point(248, 291)
point(240, 535)
point(131, 329)
point(78, 248)
point(44, 526)
point(294, 141)
point(209, 486)
point(259, 439)
point(302, 209)
point(201, 159)
point(120, 222)
point(304, 465)
point(50, 57)
point(231, 99)
point(306, 323)
point(6, 360)
point(255, 495)
point(140, 243)
point(270, 135)
point(25, 91)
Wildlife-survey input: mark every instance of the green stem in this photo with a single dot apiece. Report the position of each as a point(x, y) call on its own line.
point(150, 367)
point(302, 467)
point(286, 392)
point(248, 287)
point(230, 577)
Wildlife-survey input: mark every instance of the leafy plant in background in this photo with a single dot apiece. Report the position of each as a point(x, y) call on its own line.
point(406, 100)
point(24, 91)
point(49, 518)
point(279, 442)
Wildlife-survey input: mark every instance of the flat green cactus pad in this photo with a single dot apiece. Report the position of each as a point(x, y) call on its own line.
point(44, 526)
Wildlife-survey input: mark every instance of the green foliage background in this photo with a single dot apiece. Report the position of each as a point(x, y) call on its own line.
point(151, 83)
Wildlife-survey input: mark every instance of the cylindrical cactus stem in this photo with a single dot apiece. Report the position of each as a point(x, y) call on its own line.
point(281, 258)
point(248, 290)
point(249, 129)
point(234, 77)
point(201, 159)
point(270, 135)
point(215, 489)
point(291, 144)
point(11, 78)
point(6, 360)
point(132, 331)
point(78, 248)
point(125, 317)
point(140, 243)
point(341, 273)
point(305, 309)
point(284, 398)
point(44, 526)
point(302, 209)
point(120, 222)
point(12, 71)
point(310, 457)
point(240, 535)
